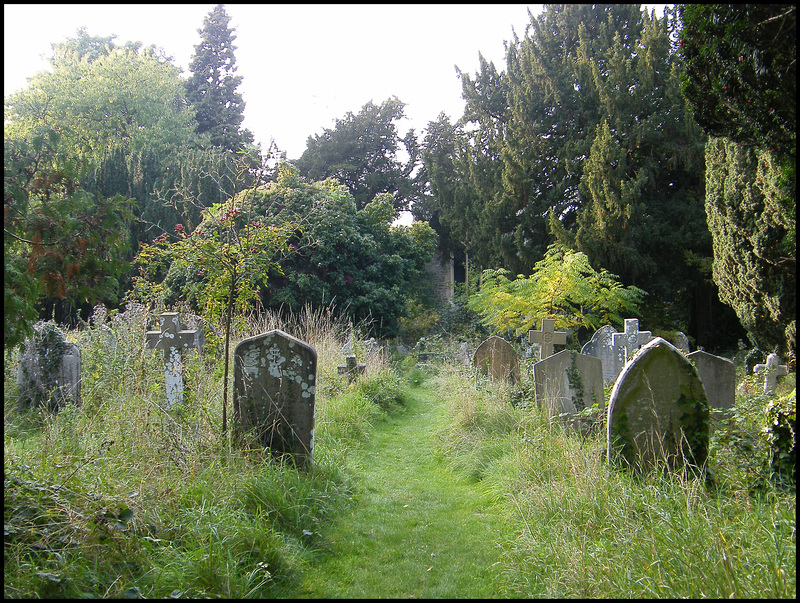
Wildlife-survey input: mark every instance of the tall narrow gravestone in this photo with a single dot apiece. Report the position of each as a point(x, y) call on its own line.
point(601, 346)
point(49, 372)
point(496, 358)
point(718, 376)
point(173, 341)
point(274, 393)
point(658, 410)
point(568, 382)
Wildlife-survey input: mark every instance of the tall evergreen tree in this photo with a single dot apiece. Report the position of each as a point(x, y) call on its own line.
point(212, 86)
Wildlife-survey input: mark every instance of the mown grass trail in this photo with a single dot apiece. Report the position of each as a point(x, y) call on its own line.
point(414, 528)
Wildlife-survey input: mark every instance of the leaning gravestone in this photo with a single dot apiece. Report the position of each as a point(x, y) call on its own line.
point(601, 346)
point(274, 392)
point(568, 382)
point(49, 372)
point(682, 342)
point(718, 376)
point(658, 410)
point(497, 358)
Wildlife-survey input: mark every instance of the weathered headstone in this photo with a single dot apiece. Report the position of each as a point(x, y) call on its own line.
point(658, 410)
point(274, 392)
point(547, 337)
point(718, 376)
point(498, 359)
point(49, 371)
point(629, 341)
point(601, 346)
point(351, 368)
point(772, 370)
point(173, 341)
point(568, 382)
point(682, 342)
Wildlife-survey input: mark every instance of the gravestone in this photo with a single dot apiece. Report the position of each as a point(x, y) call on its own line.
point(658, 410)
point(718, 376)
point(497, 358)
point(274, 392)
point(568, 382)
point(173, 341)
point(682, 342)
point(547, 337)
point(601, 346)
point(772, 370)
point(49, 371)
point(351, 368)
point(630, 340)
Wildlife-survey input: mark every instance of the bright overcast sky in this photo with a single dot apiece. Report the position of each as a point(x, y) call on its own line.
point(303, 65)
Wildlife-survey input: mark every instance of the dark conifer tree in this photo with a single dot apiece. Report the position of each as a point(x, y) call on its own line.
point(212, 85)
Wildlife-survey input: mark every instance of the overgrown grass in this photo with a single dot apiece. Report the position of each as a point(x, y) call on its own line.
point(118, 497)
point(586, 530)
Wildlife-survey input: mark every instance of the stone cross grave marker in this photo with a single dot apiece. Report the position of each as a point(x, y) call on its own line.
point(629, 341)
point(658, 410)
point(49, 371)
point(497, 358)
point(274, 393)
point(601, 346)
point(772, 370)
point(351, 368)
point(173, 341)
point(568, 382)
point(547, 337)
point(718, 376)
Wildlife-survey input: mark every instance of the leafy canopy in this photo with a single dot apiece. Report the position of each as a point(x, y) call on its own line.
point(563, 286)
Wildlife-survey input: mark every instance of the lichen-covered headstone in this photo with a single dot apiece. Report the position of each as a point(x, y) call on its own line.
point(658, 411)
point(274, 393)
point(568, 382)
point(174, 342)
point(497, 358)
point(718, 376)
point(49, 372)
point(682, 342)
point(601, 346)
point(627, 342)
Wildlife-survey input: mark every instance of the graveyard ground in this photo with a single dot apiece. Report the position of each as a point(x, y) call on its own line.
point(425, 483)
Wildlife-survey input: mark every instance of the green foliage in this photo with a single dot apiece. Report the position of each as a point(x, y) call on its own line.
point(562, 286)
point(211, 88)
point(780, 433)
point(60, 241)
point(750, 207)
point(741, 71)
point(361, 152)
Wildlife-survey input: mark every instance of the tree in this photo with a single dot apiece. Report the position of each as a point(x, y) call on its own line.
point(741, 81)
point(212, 86)
point(220, 267)
point(361, 152)
point(120, 113)
point(59, 241)
point(741, 71)
point(562, 286)
point(751, 213)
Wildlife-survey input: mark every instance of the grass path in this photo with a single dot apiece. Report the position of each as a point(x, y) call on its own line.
point(414, 529)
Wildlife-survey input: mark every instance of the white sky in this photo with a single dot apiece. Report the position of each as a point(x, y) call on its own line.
point(303, 65)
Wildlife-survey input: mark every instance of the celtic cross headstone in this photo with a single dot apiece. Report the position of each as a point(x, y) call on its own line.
point(547, 337)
